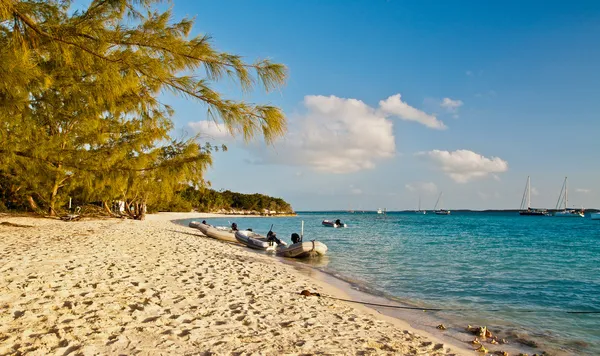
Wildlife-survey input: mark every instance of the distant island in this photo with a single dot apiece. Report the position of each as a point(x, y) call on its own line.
point(227, 202)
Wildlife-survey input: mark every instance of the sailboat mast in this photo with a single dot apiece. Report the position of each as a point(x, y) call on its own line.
point(566, 194)
point(438, 200)
point(528, 192)
point(419, 202)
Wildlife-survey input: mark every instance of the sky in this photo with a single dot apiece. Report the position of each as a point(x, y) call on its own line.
point(387, 101)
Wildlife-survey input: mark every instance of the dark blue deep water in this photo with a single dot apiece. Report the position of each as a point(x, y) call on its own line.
point(518, 274)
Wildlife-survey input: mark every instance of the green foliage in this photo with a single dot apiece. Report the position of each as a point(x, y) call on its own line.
point(79, 108)
point(209, 200)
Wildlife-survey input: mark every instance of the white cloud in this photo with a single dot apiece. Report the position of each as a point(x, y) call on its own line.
point(464, 165)
point(354, 190)
point(422, 187)
point(394, 106)
point(210, 129)
point(335, 135)
point(583, 190)
point(451, 106)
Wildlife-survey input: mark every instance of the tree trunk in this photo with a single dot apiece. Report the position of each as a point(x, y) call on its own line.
point(32, 203)
point(54, 194)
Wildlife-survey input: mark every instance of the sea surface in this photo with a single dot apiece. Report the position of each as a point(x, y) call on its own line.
point(519, 275)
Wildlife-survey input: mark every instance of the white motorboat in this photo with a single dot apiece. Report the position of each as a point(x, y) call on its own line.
point(302, 249)
point(256, 241)
point(216, 232)
point(336, 223)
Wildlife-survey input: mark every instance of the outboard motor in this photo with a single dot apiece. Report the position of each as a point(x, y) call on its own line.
point(234, 227)
point(295, 238)
point(272, 237)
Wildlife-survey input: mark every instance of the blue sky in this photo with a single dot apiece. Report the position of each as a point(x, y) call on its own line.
point(490, 92)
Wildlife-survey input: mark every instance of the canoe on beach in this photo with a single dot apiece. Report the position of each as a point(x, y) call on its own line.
point(302, 249)
point(254, 240)
point(219, 233)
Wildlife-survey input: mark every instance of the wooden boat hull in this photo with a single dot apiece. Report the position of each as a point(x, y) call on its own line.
point(213, 232)
point(304, 249)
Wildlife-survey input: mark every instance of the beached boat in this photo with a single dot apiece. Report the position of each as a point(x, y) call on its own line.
point(440, 211)
point(215, 232)
point(595, 216)
point(526, 203)
point(302, 249)
point(563, 201)
point(256, 241)
point(330, 223)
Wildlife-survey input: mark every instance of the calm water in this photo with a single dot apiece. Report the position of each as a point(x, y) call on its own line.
point(492, 265)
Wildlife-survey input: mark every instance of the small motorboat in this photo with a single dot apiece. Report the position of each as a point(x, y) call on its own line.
point(302, 249)
point(256, 241)
point(216, 232)
point(336, 223)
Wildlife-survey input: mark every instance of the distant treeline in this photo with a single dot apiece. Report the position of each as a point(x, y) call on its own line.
point(210, 200)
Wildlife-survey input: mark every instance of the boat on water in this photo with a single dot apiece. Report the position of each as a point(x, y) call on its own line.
point(440, 211)
point(595, 216)
point(216, 232)
point(562, 205)
point(302, 249)
point(330, 223)
point(379, 211)
point(222, 233)
point(526, 202)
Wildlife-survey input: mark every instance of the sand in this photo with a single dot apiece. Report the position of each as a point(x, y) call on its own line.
point(153, 287)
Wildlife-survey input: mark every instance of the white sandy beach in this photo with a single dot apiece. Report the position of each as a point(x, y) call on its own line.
point(152, 287)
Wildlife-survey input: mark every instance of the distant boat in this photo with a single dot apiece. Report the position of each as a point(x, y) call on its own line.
point(526, 201)
point(441, 211)
point(563, 202)
point(595, 216)
point(420, 211)
point(330, 223)
point(379, 211)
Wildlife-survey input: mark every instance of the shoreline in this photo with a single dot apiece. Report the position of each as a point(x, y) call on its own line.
point(84, 286)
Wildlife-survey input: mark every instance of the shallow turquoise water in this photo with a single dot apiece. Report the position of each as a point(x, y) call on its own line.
point(519, 275)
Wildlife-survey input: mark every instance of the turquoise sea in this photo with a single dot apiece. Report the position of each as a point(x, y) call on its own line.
point(519, 275)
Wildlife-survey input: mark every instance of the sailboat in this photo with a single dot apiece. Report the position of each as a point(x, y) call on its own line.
point(420, 211)
point(563, 202)
point(527, 201)
point(441, 211)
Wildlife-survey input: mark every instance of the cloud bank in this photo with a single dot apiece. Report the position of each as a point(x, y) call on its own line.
point(422, 187)
point(464, 165)
point(394, 106)
point(339, 135)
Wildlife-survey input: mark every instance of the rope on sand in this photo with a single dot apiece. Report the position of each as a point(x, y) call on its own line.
point(307, 293)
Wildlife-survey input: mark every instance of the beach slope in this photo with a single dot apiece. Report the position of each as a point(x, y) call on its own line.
point(154, 287)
